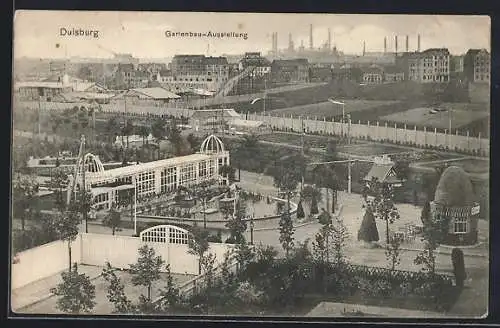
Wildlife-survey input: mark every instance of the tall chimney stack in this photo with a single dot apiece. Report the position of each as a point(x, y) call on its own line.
point(364, 48)
point(311, 37)
point(396, 44)
point(290, 42)
point(418, 43)
point(407, 43)
point(329, 40)
point(385, 44)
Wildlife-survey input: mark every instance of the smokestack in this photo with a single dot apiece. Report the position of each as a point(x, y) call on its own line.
point(418, 43)
point(385, 45)
point(396, 44)
point(364, 48)
point(276, 43)
point(290, 42)
point(329, 40)
point(311, 37)
point(407, 43)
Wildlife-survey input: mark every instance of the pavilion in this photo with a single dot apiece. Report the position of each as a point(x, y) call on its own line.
point(152, 178)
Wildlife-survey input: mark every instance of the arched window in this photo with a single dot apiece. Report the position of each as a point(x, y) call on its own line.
point(165, 234)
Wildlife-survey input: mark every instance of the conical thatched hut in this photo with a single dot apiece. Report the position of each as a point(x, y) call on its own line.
point(455, 199)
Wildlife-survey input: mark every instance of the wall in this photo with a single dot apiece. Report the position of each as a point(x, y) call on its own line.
point(43, 261)
point(375, 131)
point(99, 248)
point(95, 249)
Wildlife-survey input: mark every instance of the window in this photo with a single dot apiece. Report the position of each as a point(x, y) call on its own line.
point(460, 225)
point(188, 174)
point(202, 169)
point(168, 179)
point(146, 183)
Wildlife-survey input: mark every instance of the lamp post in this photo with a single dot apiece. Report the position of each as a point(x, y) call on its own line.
point(333, 101)
point(135, 206)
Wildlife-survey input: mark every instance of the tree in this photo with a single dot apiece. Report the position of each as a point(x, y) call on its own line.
point(113, 220)
point(243, 255)
point(325, 177)
point(383, 206)
point(174, 136)
point(198, 245)
point(115, 291)
point(194, 142)
point(402, 169)
point(170, 294)
point(457, 259)
point(128, 130)
point(368, 231)
point(434, 230)
point(76, 292)
point(25, 192)
point(286, 232)
point(300, 211)
point(67, 228)
point(228, 172)
point(144, 133)
point(147, 269)
point(393, 253)
point(248, 151)
point(425, 216)
point(112, 128)
point(158, 131)
point(314, 205)
point(237, 224)
point(339, 237)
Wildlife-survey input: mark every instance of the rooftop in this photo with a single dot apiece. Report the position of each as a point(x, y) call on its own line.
point(143, 167)
point(155, 93)
point(454, 188)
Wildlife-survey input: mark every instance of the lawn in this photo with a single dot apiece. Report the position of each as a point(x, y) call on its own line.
point(103, 306)
point(469, 165)
point(421, 116)
point(370, 149)
point(327, 109)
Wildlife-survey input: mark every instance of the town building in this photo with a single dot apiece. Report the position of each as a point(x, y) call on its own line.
point(383, 171)
point(477, 65)
point(153, 178)
point(188, 72)
point(151, 69)
point(429, 66)
point(373, 75)
point(212, 119)
point(393, 74)
point(261, 65)
point(53, 87)
point(454, 201)
point(290, 70)
point(146, 96)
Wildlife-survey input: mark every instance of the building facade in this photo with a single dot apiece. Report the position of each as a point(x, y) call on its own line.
point(152, 178)
point(429, 66)
point(477, 65)
point(373, 75)
point(189, 72)
point(292, 70)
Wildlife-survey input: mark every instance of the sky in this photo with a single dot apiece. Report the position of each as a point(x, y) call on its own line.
point(143, 34)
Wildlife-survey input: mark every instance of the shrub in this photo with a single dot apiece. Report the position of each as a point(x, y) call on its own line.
point(457, 259)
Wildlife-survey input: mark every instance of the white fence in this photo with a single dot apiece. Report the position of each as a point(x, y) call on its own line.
point(377, 132)
point(96, 249)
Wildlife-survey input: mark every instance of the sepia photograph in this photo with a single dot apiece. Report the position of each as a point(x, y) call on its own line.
point(250, 164)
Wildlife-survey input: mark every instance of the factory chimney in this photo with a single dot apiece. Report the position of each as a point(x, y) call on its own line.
point(385, 45)
point(407, 43)
point(311, 37)
point(276, 44)
point(418, 43)
point(329, 40)
point(364, 48)
point(396, 44)
point(290, 42)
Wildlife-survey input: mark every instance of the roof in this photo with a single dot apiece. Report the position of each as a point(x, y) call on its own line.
point(156, 93)
point(373, 70)
point(216, 60)
point(246, 123)
point(40, 84)
point(82, 86)
point(126, 67)
point(436, 50)
point(290, 62)
point(392, 70)
point(203, 113)
point(143, 167)
point(454, 188)
point(87, 95)
point(383, 173)
point(475, 52)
